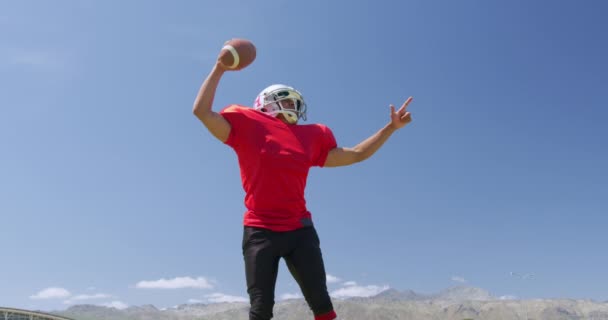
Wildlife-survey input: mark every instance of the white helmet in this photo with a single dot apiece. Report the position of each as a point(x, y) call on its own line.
point(275, 99)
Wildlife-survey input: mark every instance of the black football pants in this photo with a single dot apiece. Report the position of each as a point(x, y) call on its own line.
point(262, 250)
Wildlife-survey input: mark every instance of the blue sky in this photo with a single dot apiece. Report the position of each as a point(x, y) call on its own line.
point(113, 193)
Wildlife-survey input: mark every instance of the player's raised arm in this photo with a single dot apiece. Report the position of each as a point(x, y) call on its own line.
point(346, 156)
point(235, 55)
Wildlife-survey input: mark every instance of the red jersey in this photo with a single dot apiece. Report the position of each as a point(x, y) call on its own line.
point(274, 158)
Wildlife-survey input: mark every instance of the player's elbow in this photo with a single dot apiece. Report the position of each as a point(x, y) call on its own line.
point(201, 113)
point(358, 155)
point(353, 156)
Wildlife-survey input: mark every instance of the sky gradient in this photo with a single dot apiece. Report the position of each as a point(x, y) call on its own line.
point(113, 193)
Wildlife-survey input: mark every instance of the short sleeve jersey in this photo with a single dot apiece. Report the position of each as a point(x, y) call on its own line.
point(274, 159)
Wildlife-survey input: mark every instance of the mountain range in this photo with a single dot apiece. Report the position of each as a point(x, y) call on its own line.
point(456, 303)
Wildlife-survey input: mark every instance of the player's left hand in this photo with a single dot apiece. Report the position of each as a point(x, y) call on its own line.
point(401, 117)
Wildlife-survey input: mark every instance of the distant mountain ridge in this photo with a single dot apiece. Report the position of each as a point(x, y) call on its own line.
point(456, 303)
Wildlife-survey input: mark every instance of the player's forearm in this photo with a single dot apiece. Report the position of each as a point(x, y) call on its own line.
point(369, 146)
point(206, 94)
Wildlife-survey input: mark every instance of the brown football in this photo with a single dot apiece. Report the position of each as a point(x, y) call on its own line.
point(237, 54)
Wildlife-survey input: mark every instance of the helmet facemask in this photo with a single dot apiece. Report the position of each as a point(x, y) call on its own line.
point(281, 99)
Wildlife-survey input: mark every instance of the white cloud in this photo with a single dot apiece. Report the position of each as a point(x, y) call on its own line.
point(521, 276)
point(176, 283)
point(220, 297)
point(508, 297)
point(35, 59)
point(115, 304)
point(82, 297)
point(358, 291)
point(350, 283)
point(286, 296)
point(51, 293)
point(195, 301)
point(458, 279)
point(332, 279)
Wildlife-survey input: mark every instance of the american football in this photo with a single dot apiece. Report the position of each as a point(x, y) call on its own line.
point(237, 54)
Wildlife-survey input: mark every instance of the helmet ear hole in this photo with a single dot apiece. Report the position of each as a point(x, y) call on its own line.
point(263, 109)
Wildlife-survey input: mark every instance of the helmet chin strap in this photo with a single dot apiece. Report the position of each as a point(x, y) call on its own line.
point(290, 116)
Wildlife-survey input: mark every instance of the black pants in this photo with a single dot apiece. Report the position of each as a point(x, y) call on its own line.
point(262, 250)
